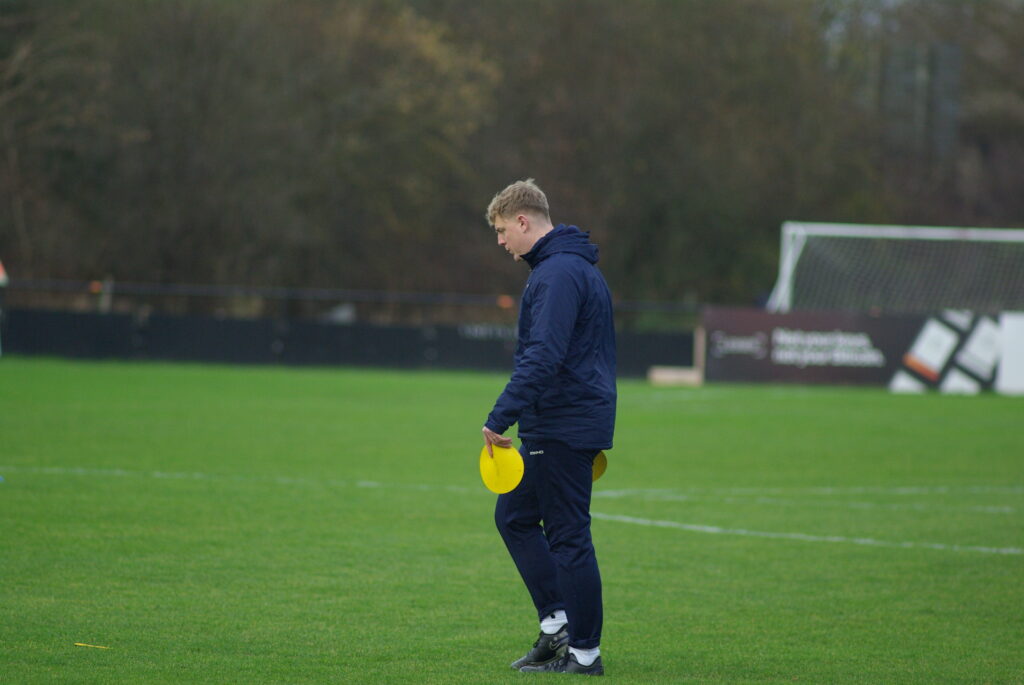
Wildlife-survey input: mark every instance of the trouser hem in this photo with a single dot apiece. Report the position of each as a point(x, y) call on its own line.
point(548, 610)
point(586, 644)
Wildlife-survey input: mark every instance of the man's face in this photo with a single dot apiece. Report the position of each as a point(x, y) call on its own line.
point(511, 233)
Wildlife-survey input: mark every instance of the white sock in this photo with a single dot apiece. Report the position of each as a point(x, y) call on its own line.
point(586, 656)
point(552, 623)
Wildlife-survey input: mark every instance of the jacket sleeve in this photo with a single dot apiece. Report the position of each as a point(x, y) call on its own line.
point(555, 305)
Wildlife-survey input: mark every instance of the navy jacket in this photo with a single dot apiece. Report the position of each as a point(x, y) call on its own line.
point(563, 385)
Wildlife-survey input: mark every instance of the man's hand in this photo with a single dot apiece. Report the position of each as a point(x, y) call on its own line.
point(492, 438)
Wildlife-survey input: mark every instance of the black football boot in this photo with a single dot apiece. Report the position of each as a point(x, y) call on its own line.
point(567, 664)
point(546, 649)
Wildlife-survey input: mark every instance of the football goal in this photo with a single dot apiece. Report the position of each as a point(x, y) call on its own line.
point(899, 269)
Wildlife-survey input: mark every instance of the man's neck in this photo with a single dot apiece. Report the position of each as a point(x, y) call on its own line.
point(538, 231)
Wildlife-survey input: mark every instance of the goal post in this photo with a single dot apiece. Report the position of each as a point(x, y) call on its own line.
point(3, 286)
point(898, 269)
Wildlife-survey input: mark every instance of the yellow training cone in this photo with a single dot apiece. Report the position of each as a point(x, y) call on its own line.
point(600, 465)
point(502, 472)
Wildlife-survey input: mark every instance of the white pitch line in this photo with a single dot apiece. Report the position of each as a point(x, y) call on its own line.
point(803, 537)
point(671, 496)
point(692, 527)
point(828, 490)
point(654, 493)
point(180, 475)
point(874, 490)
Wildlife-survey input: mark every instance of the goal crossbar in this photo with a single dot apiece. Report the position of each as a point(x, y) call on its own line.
point(795, 234)
point(995, 235)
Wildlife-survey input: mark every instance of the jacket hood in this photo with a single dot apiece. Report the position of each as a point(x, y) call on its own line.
point(562, 238)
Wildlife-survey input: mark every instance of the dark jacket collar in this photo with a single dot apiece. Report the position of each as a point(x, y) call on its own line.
point(562, 238)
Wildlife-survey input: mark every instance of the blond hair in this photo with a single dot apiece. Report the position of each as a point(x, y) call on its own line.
point(521, 196)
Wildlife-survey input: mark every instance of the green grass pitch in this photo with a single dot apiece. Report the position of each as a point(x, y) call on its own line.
point(264, 525)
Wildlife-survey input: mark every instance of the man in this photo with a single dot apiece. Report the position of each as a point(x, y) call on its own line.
point(562, 395)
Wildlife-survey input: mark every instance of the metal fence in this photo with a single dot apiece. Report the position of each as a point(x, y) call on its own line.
point(317, 304)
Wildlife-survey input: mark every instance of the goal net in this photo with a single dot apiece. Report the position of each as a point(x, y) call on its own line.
point(899, 269)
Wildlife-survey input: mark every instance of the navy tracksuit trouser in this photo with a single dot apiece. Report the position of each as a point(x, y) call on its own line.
point(557, 561)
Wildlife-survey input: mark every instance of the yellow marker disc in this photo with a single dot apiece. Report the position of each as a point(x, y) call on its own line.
point(600, 465)
point(502, 472)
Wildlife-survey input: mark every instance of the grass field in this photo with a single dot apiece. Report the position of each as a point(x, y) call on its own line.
point(250, 525)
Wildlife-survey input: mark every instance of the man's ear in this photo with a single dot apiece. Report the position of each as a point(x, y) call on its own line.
point(523, 222)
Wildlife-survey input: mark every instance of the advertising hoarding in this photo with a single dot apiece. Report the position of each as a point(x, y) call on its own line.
point(953, 351)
